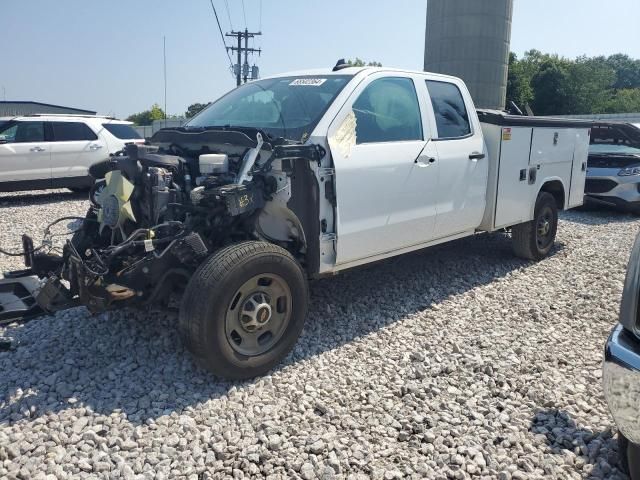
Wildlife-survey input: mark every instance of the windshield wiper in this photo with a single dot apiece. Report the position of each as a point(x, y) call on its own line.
point(241, 128)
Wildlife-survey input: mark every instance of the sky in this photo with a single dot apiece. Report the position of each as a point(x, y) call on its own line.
point(108, 56)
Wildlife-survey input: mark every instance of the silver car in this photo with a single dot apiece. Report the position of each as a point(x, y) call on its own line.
point(613, 174)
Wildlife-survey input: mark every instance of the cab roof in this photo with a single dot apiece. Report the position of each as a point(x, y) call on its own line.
point(354, 71)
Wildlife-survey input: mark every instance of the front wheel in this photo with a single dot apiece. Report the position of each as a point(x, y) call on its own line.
point(243, 309)
point(534, 240)
point(629, 457)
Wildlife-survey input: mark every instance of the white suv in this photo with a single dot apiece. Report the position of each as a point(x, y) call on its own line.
point(56, 151)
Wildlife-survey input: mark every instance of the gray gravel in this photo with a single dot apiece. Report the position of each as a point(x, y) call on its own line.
point(457, 362)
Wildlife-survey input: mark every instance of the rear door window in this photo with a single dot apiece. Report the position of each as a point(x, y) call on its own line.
point(452, 118)
point(72, 132)
point(23, 132)
point(121, 131)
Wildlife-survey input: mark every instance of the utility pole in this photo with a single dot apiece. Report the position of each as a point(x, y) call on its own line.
point(242, 70)
point(164, 57)
point(237, 67)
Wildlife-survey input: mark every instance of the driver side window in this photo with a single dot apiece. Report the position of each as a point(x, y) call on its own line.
point(388, 111)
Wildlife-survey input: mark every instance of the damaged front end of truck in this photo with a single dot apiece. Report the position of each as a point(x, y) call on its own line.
point(157, 211)
point(230, 214)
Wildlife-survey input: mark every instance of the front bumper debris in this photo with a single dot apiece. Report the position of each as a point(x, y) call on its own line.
point(17, 299)
point(621, 381)
point(24, 296)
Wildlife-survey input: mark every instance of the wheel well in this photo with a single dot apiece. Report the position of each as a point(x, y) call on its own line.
point(556, 189)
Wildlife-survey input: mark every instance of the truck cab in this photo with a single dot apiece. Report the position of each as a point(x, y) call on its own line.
point(409, 160)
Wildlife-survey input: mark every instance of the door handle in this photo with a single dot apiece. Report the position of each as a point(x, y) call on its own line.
point(424, 162)
point(95, 146)
point(36, 149)
point(476, 156)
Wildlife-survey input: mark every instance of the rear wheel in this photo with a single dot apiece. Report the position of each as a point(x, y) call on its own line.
point(244, 309)
point(534, 240)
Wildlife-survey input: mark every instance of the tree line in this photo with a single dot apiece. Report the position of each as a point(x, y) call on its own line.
point(554, 85)
point(147, 117)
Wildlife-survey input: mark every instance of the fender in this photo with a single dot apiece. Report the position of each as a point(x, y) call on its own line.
point(556, 187)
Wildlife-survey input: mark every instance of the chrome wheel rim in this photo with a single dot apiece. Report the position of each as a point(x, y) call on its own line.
point(544, 227)
point(258, 314)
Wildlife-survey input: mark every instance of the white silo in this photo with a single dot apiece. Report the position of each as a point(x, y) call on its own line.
point(470, 39)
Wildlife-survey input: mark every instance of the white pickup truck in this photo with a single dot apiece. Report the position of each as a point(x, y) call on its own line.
point(294, 177)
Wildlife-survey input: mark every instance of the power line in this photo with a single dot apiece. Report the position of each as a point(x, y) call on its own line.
point(244, 12)
point(226, 2)
point(222, 35)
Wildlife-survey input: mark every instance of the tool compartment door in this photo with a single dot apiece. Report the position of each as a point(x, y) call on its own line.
point(579, 170)
point(513, 198)
point(551, 145)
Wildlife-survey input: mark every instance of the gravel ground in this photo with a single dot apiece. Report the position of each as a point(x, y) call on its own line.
point(456, 362)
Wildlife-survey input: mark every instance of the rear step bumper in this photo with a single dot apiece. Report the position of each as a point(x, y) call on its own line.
point(17, 299)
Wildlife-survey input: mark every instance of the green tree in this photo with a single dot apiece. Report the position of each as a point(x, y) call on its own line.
point(589, 82)
point(148, 116)
point(156, 112)
point(627, 71)
point(361, 63)
point(626, 100)
point(532, 61)
point(518, 83)
point(521, 73)
point(551, 88)
point(195, 108)
point(554, 85)
point(141, 118)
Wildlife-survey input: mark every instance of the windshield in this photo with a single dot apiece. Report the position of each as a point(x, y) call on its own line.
point(619, 149)
point(288, 107)
point(617, 139)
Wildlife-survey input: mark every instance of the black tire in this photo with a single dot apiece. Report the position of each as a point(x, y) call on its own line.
point(528, 240)
point(213, 295)
point(629, 457)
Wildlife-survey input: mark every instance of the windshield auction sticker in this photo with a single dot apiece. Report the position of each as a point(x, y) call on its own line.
point(308, 82)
